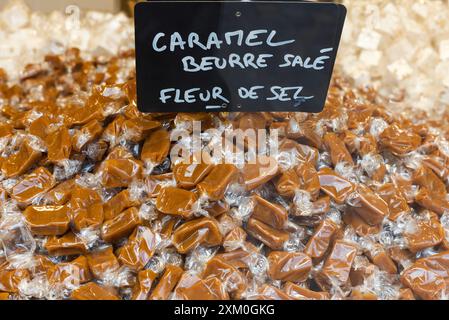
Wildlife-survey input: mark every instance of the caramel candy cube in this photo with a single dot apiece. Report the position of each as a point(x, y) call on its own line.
point(399, 141)
point(176, 201)
point(167, 283)
point(145, 280)
point(426, 178)
point(269, 213)
point(271, 237)
point(288, 183)
point(33, 185)
point(47, 220)
point(102, 262)
point(397, 204)
point(203, 231)
point(10, 279)
point(335, 186)
point(70, 273)
point(21, 161)
point(435, 203)
point(338, 264)
point(120, 226)
point(425, 234)
point(189, 175)
point(60, 194)
point(381, 259)
point(118, 203)
point(216, 183)
point(156, 147)
point(59, 144)
point(300, 293)
point(139, 249)
point(234, 281)
point(68, 244)
point(256, 174)
point(86, 135)
point(190, 287)
point(369, 205)
point(321, 239)
point(427, 277)
point(234, 239)
point(359, 225)
point(93, 291)
point(117, 173)
point(289, 266)
point(337, 149)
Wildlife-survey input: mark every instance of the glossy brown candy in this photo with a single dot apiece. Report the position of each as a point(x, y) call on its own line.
point(369, 206)
point(156, 147)
point(118, 203)
point(432, 202)
point(145, 280)
point(360, 226)
point(399, 141)
point(260, 172)
point(93, 291)
point(337, 149)
point(167, 283)
point(289, 266)
point(176, 201)
point(232, 279)
point(47, 220)
point(121, 225)
point(380, 257)
point(189, 175)
point(424, 234)
point(86, 135)
point(396, 202)
point(426, 178)
point(139, 249)
point(71, 273)
point(337, 265)
point(335, 186)
point(300, 293)
point(33, 186)
point(269, 213)
point(320, 241)
point(116, 173)
point(202, 231)
point(61, 193)
point(427, 277)
point(273, 238)
point(66, 245)
point(59, 145)
point(86, 208)
point(11, 278)
point(287, 183)
point(216, 182)
point(234, 239)
point(308, 179)
point(21, 161)
point(102, 262)
point(191, 287)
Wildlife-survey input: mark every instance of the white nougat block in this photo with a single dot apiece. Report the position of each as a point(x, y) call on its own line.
point(370, 57)
point(400, 69)
point(368, 39)
point(444, 49)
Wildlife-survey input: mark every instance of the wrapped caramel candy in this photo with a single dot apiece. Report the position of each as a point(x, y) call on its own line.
point(353, 205)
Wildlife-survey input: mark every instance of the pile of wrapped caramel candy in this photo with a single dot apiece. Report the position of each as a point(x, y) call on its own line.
point(92, 206)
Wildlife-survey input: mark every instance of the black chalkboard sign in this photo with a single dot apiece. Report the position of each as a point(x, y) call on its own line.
point(235, 56)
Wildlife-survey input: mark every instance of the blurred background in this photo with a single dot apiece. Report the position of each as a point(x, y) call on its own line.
point(398, 47)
